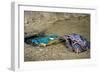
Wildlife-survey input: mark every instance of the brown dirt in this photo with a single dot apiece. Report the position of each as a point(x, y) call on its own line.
point(75, 24)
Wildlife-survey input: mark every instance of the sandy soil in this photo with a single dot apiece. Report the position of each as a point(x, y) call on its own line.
point(79, 25)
